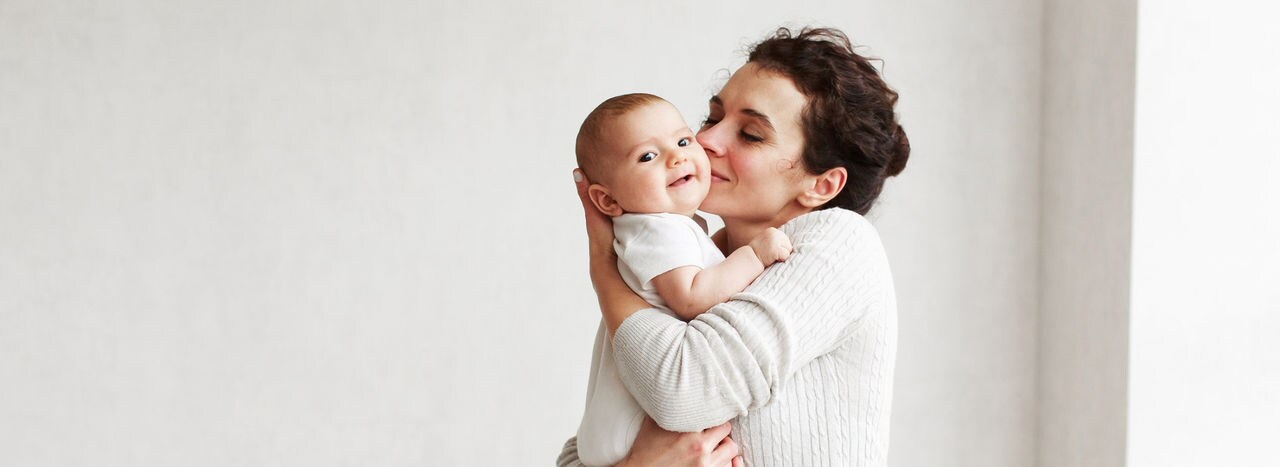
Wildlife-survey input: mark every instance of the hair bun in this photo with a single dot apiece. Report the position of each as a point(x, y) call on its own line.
point(902, 151)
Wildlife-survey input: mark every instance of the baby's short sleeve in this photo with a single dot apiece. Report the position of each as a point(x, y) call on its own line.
point(652, 244)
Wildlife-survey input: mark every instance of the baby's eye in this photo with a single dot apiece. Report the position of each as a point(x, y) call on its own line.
point(683, 142)
point(648, 156)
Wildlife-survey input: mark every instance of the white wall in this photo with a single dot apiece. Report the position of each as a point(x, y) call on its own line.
point(961, 227)
point(1205, 370)
point(1087, 185)
point(276, 233)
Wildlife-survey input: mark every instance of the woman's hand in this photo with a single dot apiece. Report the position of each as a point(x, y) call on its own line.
point(617, 301)
point(599, 226)
point(654, 446)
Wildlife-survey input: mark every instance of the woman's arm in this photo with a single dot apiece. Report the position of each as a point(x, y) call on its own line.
point(617, 301)
point(569, 454)
point(735, 357)
point(655, 447)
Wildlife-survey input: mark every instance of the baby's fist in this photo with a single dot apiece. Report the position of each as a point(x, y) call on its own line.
point(771, 246)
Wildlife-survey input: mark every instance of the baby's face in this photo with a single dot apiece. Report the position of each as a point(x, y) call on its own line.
point(661, 167)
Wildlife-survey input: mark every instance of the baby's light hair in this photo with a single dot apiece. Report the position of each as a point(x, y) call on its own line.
point(594, 127)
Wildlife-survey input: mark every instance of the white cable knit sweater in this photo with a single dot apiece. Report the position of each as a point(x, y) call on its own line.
point(801, 361)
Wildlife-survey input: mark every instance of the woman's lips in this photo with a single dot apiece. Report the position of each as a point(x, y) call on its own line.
point(716, 177)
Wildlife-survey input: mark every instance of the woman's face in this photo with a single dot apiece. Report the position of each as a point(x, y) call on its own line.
point(754, 140)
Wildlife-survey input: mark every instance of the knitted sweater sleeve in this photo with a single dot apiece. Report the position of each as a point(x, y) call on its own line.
point(735, 357)
point(569, 454)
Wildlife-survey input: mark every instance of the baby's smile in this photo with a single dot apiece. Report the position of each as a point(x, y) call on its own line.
point(682, 180)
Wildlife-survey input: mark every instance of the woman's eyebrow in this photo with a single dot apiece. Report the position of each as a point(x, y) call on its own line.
point(753, 113)
point(759, 116)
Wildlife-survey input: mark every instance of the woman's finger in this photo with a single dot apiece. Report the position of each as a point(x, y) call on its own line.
point(725, 453)
point(717, 433)
point(716, 441)
point(581, 183)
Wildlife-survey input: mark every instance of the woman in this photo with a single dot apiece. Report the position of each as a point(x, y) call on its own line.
point(801, 138)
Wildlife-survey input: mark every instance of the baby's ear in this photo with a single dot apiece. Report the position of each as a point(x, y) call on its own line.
point(603, 200)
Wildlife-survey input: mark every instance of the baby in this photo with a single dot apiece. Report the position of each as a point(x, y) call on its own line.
point(649, 174)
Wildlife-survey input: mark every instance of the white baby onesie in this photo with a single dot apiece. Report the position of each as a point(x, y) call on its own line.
point(647, 246)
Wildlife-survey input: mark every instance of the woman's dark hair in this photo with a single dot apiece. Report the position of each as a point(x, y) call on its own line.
point(849, 120)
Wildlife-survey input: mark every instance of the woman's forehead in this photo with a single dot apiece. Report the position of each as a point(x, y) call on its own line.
point(756, 90)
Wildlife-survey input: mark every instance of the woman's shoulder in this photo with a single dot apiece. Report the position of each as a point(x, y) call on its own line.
point(840, 236)
point(843, 246)
point(835, 224)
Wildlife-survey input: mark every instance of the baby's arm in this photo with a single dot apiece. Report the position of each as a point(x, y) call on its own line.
point(691, 290)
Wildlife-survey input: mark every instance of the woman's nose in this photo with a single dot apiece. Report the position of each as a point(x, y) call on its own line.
point(709, 139)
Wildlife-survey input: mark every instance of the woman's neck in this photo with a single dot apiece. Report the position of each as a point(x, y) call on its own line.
point(740, 232)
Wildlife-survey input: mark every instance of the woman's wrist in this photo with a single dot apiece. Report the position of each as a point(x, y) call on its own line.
point(601, 259)
point(604, 275)
point(617, 300)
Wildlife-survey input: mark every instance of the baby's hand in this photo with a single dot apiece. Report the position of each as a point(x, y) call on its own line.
point(771, 245)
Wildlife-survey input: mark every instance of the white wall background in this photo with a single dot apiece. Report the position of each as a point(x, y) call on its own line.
point(284, 233)
point(1204, 379)
point(1086, 210)
point(336, 233)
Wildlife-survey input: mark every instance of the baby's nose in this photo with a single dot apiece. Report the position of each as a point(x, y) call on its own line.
point(675, 161)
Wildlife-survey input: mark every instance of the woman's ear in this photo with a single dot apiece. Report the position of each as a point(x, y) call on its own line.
point(825, 186)
point(603, 200)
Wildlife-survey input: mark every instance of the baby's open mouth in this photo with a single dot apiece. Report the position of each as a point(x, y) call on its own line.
point(682, 180)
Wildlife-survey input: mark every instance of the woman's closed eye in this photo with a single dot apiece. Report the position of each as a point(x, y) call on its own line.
point(748, 137)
